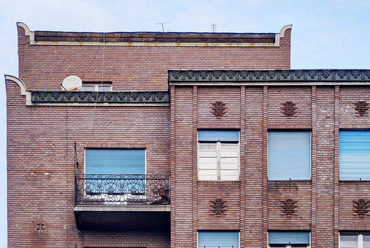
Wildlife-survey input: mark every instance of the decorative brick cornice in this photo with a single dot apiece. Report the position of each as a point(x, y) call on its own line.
point(99, 97)
point(268, 75)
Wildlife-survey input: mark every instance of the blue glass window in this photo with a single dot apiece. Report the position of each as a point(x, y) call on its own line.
point(218, 135)
point(354, 155)
point(115, 161)
point(218, 239)
point(288, 238)
point(289, 155)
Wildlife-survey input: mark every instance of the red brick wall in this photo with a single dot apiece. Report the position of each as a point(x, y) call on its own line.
point(297, 191)
point(136, 68)
point(230, 96)
point(41, 155)
point(253, 185)
point(300, 96)
point(41, 162)
point(149, 239)
point(317, 199)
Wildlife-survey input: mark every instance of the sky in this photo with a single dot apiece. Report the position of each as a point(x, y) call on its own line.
point(326, 33)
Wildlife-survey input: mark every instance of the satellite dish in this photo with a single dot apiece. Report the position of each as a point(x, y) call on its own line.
point(72, 83)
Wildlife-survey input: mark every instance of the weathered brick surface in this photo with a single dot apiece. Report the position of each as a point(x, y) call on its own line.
point(297, 191)
point(137, 68)
point(349, 192)
point(41, 161)
point(183, 168)
point(209, 191)
point(253, 167)
point(300, 96)
point(348, 97)
point(325, 167)
point(229, 96)
point(153, 239)
point(41, 139)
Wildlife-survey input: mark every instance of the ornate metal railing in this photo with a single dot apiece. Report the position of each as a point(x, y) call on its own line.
point(100, 189)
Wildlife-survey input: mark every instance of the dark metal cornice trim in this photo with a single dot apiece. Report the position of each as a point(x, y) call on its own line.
point(321, 76)
point(116, 97)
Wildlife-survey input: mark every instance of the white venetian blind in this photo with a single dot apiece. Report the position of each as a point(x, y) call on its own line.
point(354, 155)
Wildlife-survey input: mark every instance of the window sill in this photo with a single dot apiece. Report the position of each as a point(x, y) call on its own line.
point(219, 182)
point(366, 182)
point(272, 183)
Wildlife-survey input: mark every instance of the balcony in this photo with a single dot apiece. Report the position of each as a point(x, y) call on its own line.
point(122, 201)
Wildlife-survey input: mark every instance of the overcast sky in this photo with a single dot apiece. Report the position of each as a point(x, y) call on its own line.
point(326, 33)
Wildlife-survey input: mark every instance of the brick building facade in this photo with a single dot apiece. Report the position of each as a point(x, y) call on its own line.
point(195, 139)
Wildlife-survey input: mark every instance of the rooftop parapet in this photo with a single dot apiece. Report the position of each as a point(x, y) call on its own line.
point(154, 38)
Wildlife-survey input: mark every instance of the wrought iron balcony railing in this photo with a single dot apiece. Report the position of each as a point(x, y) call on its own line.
point(122, 189)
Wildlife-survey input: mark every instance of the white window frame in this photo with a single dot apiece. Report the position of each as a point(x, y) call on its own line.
point(218, 151)
point(360, 238)
point(96, 86)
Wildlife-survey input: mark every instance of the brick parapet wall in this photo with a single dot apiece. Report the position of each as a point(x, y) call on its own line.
point(130, 68)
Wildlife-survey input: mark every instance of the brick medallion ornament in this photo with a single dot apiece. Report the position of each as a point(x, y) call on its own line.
point(361, 207)
point(40, 227)
point(218, 207)
point(288, 207)
point(361, 108)
point(218, 109)
point(288, 109)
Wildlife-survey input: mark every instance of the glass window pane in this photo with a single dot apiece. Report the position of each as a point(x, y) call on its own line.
point(229, 150)
point(208, 150)
point(354, 155)
point(88, 88)
point(289, 155)
point(115, 161)
point(289, 238)
point(366, 242)
point(207, 174)
point(215, 239)
point(207, 163)
point(348, 241)
point(217, 135)
point(229, 175)
point(105, 88)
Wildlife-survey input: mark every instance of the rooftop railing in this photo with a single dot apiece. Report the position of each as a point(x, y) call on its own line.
point(122, 189)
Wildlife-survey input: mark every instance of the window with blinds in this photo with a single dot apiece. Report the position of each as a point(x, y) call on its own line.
point(288, 239)
point(354, 155)
point(115, 161)
point(354, 240)
point(218, 155)
point(218, 239)
point(96, 86)
point(289, 155)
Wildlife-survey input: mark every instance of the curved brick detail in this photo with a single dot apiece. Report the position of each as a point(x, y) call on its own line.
point(99, 97)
